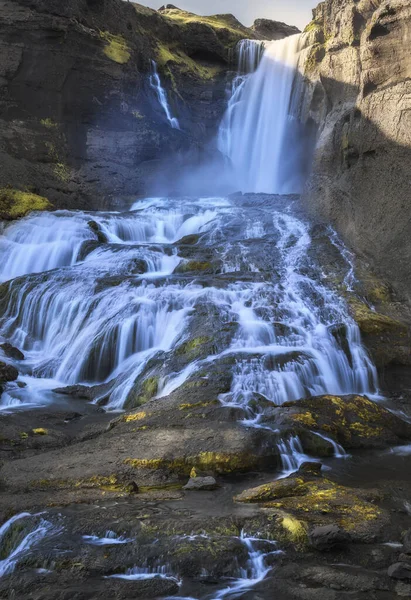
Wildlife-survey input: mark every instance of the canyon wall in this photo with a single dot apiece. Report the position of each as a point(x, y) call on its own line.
point(358, 66)
point(79, 123)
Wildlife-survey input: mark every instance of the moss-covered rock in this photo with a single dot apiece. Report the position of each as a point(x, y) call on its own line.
point(15, 204)
point(309, 500)
point(352, 421)
point(116, 47)
point(143, 392)
point(388, 340)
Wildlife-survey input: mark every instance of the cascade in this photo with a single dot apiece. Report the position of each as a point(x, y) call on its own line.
point(155, 83)
point(260, 133)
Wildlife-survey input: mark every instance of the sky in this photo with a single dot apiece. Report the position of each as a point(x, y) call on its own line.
point(293, 12)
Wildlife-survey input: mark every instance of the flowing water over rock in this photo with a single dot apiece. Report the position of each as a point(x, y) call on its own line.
point(108, 308)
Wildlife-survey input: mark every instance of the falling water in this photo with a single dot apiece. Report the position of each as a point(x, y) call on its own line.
point(155, 83)
point(25, 542)
point(260, 133)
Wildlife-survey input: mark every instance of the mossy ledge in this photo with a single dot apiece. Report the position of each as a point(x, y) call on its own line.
point(15, 204)
point(116, 48)
point(216, 462)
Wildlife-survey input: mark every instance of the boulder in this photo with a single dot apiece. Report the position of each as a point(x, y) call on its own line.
point(12, 352)
point(400, 570)
point(328, 537)
point(351, 421)
point(7, 373)
point(201, 484)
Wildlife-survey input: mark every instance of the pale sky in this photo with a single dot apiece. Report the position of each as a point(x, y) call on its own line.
point(293, 12)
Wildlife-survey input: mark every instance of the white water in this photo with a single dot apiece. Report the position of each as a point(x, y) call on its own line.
point(260, 133)
point(255, 571)
point(110, 539)
point(155, 83)
point(25, 544)
point(76, 325)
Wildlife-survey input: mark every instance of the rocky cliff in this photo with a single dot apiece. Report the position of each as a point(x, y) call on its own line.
point(80, 125)
point(359, 68)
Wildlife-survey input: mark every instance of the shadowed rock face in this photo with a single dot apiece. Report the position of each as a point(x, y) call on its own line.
point(359, 67)
point(80, 124)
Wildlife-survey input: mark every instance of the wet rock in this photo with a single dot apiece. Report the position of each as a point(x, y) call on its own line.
point(403, 590)
point(95, 228)
point(310, 499)
point(12, 352)
point(352, 421)
point(310, 468)
point(407, 542)
point(400, 570)
point(328, 537)
point(387, 339)
point(199, 484)
point(7, 373)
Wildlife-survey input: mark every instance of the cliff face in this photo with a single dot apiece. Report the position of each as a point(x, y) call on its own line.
point(79, 123)
point(359, 67)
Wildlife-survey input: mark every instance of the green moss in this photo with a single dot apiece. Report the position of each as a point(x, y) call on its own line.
point(116, 48)
point(49, 123)
point(15, 204)
point(216, 462)
point(192, 345)
point(62, 172)
point(171, 55)
point(137, 115)
point(313, 26)
point(194, 265)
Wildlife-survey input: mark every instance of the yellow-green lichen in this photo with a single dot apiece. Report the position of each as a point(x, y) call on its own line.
point(116, 47)
point(15, 204)
point(192, 345)
point(140, 416)
point(205, 461)
point(62, 172)
point(49, 123)
point(40, 431)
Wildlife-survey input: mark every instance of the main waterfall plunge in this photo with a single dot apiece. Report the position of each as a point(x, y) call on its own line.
point(267, 147)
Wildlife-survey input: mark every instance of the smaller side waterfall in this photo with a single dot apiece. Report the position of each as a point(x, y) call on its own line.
point(155, 83)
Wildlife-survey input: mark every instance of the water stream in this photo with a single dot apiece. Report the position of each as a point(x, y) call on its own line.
point(96, 299)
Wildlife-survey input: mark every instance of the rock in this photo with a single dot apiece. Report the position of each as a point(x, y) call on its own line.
point(352, 421)
point(200, 484)
point(400, 570)
point(266, 29)
point(363, 151)
point(407, 542)
point(7, 373)
point(403, 590)
point(103, 162)
point(328, 537)
point(12, 352)
point(310, 468)
point(312, 500)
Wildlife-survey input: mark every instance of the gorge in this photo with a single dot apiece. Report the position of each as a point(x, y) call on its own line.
point(205, 344)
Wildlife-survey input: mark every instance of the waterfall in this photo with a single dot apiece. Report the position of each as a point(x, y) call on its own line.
point(260, 133)
point(155, 83)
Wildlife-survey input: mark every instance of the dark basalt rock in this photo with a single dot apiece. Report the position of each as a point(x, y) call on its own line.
point(7, 373)
point(400, 570)
point(201, 484)
point(327, 538)
point(12, 352)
